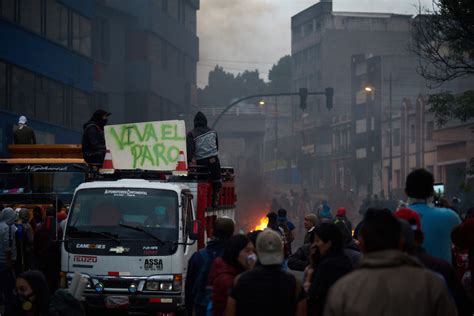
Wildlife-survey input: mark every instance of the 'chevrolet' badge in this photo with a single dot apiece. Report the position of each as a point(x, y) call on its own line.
point(119, 249)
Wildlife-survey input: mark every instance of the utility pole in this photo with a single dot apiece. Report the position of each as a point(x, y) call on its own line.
point(390, 152)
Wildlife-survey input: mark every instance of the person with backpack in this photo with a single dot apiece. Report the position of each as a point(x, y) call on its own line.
point(24, 242)
point(93, 138)
point(239, 256)
point(267, 289)
point(197, 291)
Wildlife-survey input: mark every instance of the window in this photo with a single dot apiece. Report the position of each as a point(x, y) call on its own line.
point(173, 8)
point(429, 130)
point(80, 108)
point(397, 179)
point(57, 22)
point(387, 139)
point(30, 14)
point(396, 137)
point(23, 87)
point(100, 39)
point(3, 86)
point(190, 18)
point(56, 102)
point(164, 54)
point(100, 100)
point(412, 134)
point(155, 50)
point(430, 168)
point(81, 34)
point(8, 9)
point(41, 98)
point(164, 6)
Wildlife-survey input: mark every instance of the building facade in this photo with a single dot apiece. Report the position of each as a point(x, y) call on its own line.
point(45, 65)
point(145, 55)
point(323, 44)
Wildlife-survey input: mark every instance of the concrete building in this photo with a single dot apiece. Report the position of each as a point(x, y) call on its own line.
point(145, 54)
point(323, 43)
point(393, 126)
point(45, 67)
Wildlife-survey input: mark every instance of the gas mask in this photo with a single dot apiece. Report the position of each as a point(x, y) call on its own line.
point(25, 301)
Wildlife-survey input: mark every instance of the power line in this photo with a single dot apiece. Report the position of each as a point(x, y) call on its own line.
point(238, 61)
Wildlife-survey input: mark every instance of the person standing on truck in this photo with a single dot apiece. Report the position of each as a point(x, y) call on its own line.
point(23, 134)
point(93, 139)
point(197, 293)
point(202, 146)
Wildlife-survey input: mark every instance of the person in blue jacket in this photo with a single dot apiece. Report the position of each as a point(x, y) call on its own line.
point(437, 222)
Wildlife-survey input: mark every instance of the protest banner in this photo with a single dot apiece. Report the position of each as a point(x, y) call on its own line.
point(147, 145)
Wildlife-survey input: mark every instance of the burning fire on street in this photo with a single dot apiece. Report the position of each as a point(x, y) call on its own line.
point(263, 224)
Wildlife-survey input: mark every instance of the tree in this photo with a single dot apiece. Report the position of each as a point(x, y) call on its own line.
point(280, 76)
point(443, 38)
point(223, 87)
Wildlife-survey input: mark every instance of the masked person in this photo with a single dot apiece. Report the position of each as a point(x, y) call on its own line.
point(93, 139)
point(24, 135)
point(32, 294)
point(202, 146)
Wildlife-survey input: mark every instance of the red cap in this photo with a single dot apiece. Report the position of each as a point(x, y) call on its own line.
point(61, 216)
point(411, 216)
point(341, 211)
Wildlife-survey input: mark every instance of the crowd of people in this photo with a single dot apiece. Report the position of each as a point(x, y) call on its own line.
point(412, 260)
point(30, 264)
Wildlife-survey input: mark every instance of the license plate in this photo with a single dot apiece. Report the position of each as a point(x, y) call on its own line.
point(117, 302)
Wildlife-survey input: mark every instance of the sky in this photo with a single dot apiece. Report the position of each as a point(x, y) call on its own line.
point(254, 34)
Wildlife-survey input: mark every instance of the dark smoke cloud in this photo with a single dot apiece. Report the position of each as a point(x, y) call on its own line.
point(259, 30)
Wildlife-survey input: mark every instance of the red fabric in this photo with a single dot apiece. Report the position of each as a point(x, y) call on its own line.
point(221, 277)
point(341, 211)
point(463, 238)
point(61, 216)
point(409, 214)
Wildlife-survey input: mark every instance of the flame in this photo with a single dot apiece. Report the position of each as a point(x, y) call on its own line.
point(263, 224)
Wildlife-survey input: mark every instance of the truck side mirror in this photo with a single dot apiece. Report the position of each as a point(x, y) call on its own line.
point(195, 230)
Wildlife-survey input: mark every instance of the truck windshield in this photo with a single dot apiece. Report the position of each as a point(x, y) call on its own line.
point(111, 210)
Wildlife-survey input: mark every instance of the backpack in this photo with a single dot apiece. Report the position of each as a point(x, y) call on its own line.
point(202, 291)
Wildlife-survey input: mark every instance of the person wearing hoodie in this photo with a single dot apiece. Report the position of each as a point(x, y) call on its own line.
point(328, 264)
point(199, 266)
point(24, 242)
point(239, 256)
point(93, 139)
point(202, 146)
point(24, 135)
point(7, 254)
point(324, 212)
point(341, 217)
point(388, 281)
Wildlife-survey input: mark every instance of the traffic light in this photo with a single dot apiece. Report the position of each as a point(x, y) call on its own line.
point(303, 97)
point(329, 96)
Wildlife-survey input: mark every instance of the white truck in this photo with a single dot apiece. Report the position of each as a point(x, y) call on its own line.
point(132, 236)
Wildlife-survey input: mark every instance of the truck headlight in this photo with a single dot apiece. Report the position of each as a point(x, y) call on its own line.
point(152, 286)
point(166, 286)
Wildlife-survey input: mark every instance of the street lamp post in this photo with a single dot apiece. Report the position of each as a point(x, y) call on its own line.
point(390, 153)
point(371, 89)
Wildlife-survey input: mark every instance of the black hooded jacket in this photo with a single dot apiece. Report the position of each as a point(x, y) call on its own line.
point(202, 141)
point(93, 140)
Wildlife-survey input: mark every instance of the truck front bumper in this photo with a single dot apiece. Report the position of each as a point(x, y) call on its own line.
point(137, 303)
